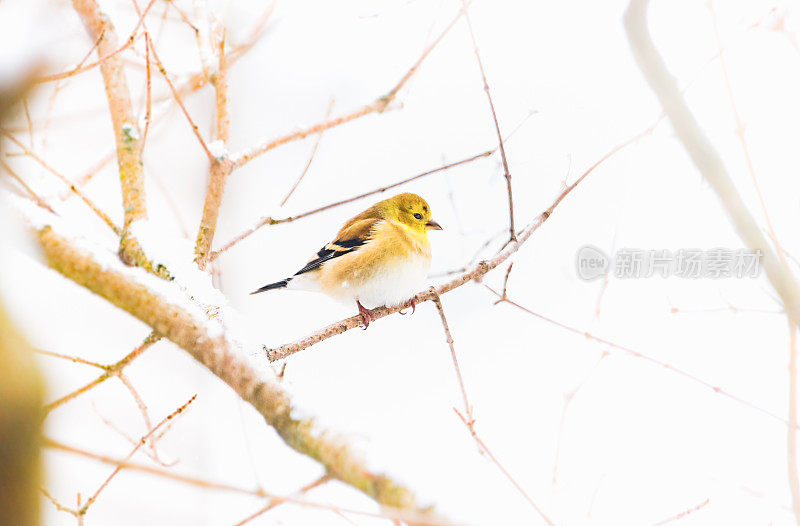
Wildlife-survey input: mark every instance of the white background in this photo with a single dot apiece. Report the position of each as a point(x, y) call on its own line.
point(637, 444)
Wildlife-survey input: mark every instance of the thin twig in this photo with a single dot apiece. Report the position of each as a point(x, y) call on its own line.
point(270, 221)
point(377, 106)
point(76, 359)
point(511, 229)
point(387, 512)
point(90, 173)
point(141, 442)
point(137, 398)
point(33, 195)
point(473, 273)
point(488, 452)
point(705, 157)
point(740, 127)
point(449, 337)
point(207, 340)
point(176, 95)
point(77, 191)
point(682, 514)
point(647, 358)
point(111, 370)
point(277, 502)
point(310, 157)
point(568, 397)
point(148, 88)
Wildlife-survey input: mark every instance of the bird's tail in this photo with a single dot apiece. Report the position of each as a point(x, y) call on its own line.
point(277, 285)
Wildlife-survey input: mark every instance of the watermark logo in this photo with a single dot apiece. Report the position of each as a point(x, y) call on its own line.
point(688, 263)
point(591, 263)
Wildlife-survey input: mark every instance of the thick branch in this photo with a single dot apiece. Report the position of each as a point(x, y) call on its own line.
point(208, 343)
point(126, 130)
point(220, 167)
point(705, 156)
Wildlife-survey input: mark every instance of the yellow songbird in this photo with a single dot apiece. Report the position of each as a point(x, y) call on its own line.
point(379, 257)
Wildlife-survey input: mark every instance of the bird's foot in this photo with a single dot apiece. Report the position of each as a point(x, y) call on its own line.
point(413, 306)
point(366, 314)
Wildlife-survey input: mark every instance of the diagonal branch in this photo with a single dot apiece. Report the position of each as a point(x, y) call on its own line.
point(377, 106)
point(188, 326)
point(474, 272)
point(270, 221)
point(28, 190)
point(705, 156)
point(410, 517)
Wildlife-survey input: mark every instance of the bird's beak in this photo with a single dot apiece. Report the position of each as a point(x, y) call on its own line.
point(433, 225)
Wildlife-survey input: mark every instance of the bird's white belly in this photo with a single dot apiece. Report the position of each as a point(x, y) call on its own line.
point(389, 284)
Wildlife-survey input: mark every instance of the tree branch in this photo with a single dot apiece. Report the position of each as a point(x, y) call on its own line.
point(126, 129)
point(378, 105)
point(209, 343)
point(221, 167)
point(270, 221)
point(475, 272)
point(705, 156)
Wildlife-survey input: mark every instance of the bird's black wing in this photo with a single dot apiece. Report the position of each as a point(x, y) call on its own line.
point(332, 250)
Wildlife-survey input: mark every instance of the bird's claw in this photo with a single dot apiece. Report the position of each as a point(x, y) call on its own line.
point(366, 315)
point(413, 306)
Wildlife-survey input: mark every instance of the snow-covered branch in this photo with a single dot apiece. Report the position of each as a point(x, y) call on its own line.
point(167, 309)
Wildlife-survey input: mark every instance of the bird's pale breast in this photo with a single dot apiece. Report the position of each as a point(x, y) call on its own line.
point(387, 270)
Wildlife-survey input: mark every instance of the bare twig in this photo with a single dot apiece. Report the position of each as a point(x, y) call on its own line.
point(379, 105)
point(110, 370)
point(740, 127)
point(148, 89)
point(126, 129)
point(474, 272)
point(75, 359)
point(568, 397)
point(505, 284)
point(77, 191)
point(488, 452)
point(90, 173)
point(137, 398)
point(705, 156)
point(270, 221)
point(647, 358)
point(277, 502)
point(468, 417)
point(449, 337)
point(310, 157)
point(682, 514)
point(109, 54)
point(211, 345)
point(141, 442)
point(28, 190)
point(177, 96)
point(511, 229)
point(221, 167)
point(386, 512)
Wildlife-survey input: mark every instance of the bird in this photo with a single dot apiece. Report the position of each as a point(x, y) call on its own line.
point(380, 257)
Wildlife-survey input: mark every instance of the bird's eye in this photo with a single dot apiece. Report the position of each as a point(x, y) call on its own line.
point(418, 216)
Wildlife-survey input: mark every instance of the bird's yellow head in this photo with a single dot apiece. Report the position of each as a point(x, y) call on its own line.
point(409, 209)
